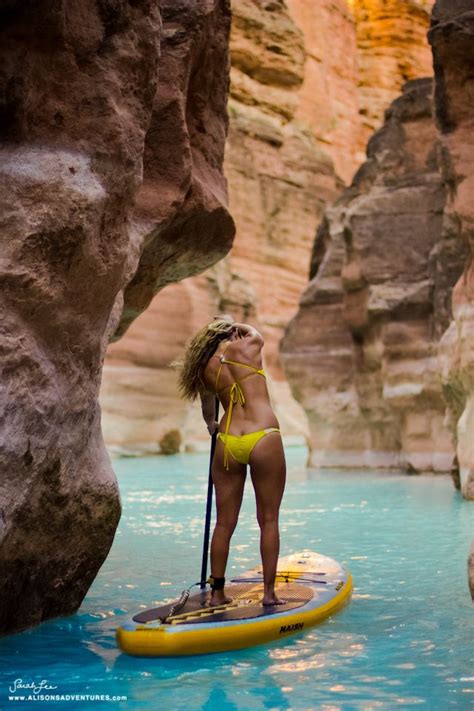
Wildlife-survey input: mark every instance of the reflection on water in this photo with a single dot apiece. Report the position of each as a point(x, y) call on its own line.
point(405, 641)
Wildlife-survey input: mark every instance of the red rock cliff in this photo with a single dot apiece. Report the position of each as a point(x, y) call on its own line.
point(359, 54)
point(305, 80)
point(85, 125)
point(452, 40)
point(279, 181)
point(361, 353)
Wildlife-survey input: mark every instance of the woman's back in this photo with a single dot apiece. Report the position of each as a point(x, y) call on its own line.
point(242, 379)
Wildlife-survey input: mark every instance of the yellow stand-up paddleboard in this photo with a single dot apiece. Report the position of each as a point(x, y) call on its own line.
point(313, 586)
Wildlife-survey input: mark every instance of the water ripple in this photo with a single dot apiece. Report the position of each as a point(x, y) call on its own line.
point(405, 640)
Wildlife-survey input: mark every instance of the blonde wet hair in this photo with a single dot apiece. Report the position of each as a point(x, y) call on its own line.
point(196, 356)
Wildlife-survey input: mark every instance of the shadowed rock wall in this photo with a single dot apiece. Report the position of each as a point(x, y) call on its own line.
point(361, 353)
point(82, 120)
point(452, 39)
point(180, 218)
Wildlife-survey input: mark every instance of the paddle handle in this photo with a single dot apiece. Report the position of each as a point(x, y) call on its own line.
point(207, 524)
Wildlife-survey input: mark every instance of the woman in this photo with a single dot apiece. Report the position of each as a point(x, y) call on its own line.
point(225, 359)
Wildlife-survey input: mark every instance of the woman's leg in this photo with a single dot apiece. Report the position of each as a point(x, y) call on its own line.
point(229, 486)
point(268, 471)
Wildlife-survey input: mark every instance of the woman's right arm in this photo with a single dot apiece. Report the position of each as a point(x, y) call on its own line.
point(208, 407)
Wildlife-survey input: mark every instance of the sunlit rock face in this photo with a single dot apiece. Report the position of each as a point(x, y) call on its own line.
point(452, 40)
point(359, 54)
point(304, 83)
point(392, 49)
point(79, 123)
point(361, 353)
point(279, 181)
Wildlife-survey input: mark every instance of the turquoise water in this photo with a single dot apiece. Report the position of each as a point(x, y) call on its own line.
point(406, 639)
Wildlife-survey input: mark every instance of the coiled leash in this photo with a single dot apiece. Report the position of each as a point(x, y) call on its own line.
point(215, 583)
point(178, 606)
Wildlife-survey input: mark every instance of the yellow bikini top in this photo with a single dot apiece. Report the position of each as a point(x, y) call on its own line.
point(236, 393)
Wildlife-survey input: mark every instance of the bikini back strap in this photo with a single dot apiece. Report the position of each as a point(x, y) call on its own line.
point(245, 365)
point(236, 396)
point(260, 371)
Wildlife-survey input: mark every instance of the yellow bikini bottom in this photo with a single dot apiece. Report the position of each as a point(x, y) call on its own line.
point(240, 446)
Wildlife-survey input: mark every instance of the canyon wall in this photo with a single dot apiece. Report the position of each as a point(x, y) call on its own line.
point(359, 53)
point(452, 40)
point(305, 82)
point(279, 181)
point(389, 307)
point(361, 353)
point(392, 49)
point(112, 186)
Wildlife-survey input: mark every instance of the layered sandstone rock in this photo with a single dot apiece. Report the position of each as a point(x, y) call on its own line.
point(359, 54)
point(452, 40)
point(361, 353)
point(328, 103)
point(304, 85)
point(392, 49)
point(279, 181)
point(82, 118)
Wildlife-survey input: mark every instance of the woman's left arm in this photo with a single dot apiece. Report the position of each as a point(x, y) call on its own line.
point(208, 407)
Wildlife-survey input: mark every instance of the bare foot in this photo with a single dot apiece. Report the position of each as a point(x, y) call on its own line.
point(218, 598)
point(273, 600)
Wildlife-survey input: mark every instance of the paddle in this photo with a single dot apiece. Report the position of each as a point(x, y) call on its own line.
point(207, 525)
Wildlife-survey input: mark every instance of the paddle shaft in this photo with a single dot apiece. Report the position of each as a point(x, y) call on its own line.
point(207, 524)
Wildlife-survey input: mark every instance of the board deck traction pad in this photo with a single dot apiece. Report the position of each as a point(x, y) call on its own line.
point(246, 602)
